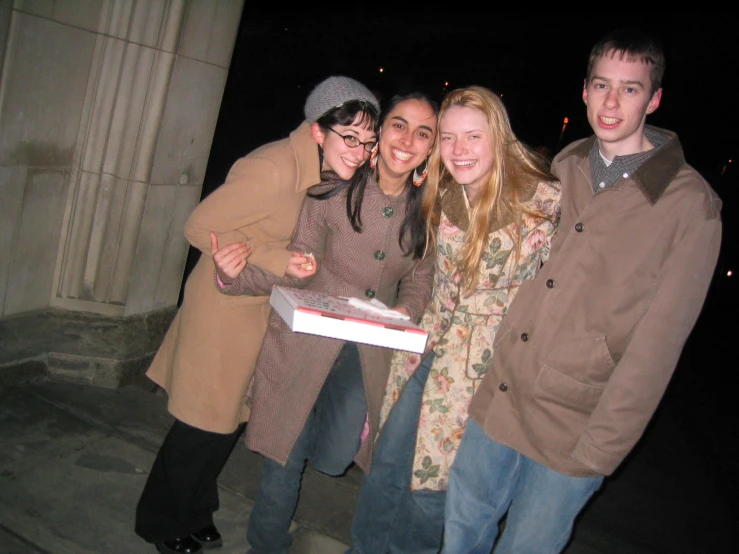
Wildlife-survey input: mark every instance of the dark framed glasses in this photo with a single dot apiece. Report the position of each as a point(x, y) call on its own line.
point(353, 142)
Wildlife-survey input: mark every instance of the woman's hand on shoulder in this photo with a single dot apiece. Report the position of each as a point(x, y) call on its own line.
point(229, 260)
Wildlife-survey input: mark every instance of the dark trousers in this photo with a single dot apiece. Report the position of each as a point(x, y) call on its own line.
point(181, 492)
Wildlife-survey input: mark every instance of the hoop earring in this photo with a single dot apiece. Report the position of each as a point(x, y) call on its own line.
point(418, 180)
point(374, 155)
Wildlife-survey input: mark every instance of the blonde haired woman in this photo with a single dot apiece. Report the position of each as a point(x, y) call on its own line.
point(491, 205)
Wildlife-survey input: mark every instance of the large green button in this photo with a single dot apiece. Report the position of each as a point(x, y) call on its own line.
point(369, 293)
point(387, 212)
point(379, 255)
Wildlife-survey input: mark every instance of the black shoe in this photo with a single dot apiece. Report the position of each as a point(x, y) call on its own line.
point(180, 545)
point(209, 537)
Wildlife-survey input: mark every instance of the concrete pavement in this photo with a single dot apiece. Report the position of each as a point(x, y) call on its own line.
point(74, 458)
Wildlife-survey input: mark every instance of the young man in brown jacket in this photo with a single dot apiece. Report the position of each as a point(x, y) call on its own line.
point(586, 351)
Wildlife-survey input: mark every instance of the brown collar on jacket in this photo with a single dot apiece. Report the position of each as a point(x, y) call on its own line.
point(655, 174)
point(454, 206)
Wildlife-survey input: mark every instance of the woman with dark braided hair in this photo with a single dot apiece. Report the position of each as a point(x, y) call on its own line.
point(314, 398)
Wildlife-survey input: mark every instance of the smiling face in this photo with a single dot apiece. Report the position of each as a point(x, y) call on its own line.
point(337, 156)
point(465, 147)
point(406, 138)
point(618, 99)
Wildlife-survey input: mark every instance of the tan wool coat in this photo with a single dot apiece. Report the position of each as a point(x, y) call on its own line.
point(206, 360)
point(292, 366)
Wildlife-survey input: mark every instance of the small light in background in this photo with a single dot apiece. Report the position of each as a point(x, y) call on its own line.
point(725, 167)
point(446, 83)
point(729, 273)
point(382, 70)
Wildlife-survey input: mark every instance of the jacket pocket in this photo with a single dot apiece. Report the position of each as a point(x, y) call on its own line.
point(575, 374)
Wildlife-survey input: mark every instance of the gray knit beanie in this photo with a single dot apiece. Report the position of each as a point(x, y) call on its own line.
point(332, 93)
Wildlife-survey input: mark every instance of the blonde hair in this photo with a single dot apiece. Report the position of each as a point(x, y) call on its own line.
point(515, 167)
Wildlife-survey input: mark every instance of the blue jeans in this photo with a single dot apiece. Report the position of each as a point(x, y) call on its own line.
point(330, 439)
point(389, 518)
point(487, 479)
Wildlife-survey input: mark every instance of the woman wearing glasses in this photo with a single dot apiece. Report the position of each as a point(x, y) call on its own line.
point(206, 360)
point(312, 395)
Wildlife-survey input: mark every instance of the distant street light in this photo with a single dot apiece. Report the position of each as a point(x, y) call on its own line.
point(561, 134)
point(723, 169)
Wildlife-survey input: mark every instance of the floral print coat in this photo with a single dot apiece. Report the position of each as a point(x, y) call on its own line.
point(462, 328)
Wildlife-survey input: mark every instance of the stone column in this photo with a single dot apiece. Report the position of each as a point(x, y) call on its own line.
point(107, 113)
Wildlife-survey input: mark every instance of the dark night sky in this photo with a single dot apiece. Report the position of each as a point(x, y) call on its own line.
point(537, 61)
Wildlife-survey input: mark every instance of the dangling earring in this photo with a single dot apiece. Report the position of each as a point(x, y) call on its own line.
point(374, 155)
point(418, 180)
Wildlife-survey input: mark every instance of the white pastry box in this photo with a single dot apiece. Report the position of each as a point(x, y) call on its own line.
point(318, 313)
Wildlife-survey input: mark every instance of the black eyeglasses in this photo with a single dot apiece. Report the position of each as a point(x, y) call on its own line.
point(353, 142)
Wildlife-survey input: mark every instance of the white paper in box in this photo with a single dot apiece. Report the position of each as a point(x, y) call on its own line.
point(318, 313)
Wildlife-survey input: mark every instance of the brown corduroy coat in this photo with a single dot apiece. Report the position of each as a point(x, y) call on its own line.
point(206, 360)
point(292, 367)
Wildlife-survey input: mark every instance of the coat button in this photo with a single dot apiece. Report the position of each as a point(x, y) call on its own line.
point(524, 337)
point(387, 212)
point(550, 283)
point(379, 255)
point(503, 387)
point(369, 293)
point(579, 227)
